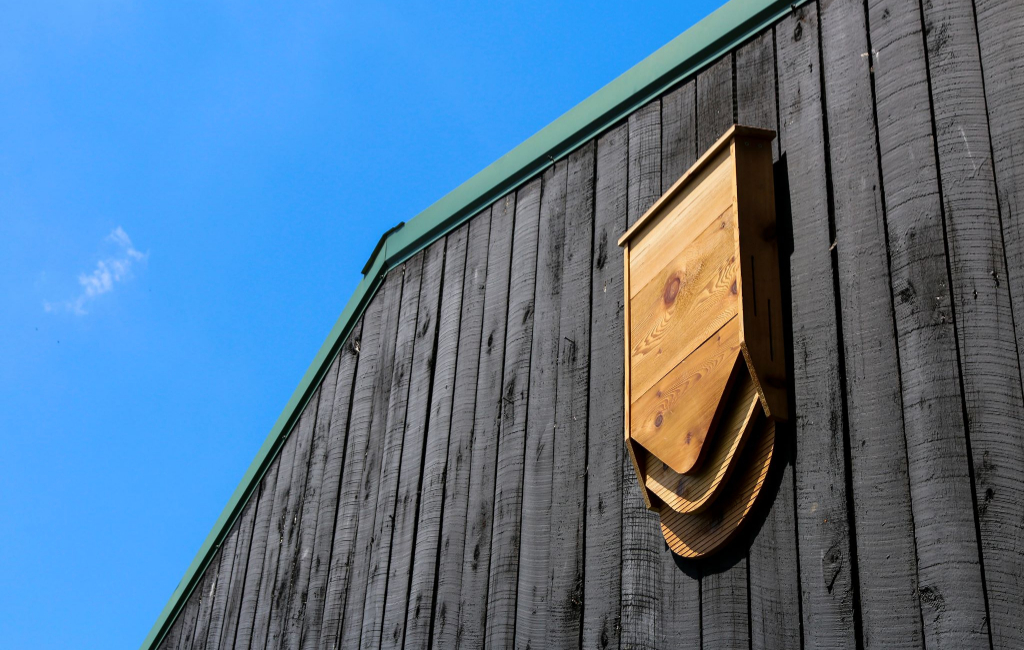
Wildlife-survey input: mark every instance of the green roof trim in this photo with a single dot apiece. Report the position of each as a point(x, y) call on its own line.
point(718, 33)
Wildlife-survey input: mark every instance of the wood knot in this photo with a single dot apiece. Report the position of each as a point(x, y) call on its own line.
point(672, 289)
point(658, 420)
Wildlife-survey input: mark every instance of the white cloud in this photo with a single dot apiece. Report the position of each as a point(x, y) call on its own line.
point(105, 276)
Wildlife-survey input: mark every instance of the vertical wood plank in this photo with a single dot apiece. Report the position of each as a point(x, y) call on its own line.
point(275, 537)
point(949, 574)
point(290, 529)
point(823, 523)
point(206, 598)
point(403, 537)
point(371, 348)
point(257, 555)
point(982, 307)
point(379, 547)
point(602, 562)
point(508, 483)
point(886, 557)
point(190, 613)
point(534, 562)
point(415, 619)
point(393, 449)
point(642, 542)
point(724, 590)
point(679, 598)
point(348, 359)
point(236, 585)
point(1001, 40)
point(772, 560)
point(476, 552)
point(392, 323)
point(569, 450)
point(456, 490)
point(218, 604)
point(309, 509)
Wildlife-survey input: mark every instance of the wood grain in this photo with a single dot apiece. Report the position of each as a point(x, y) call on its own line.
point(415, 619)
point(693, 492)
point(236, 586)
point(511, 439)
point(448, 585)
point(476, 553)
point(347, 361)
point(371, 353)
point(1000, 26)
point(882, 509)
point(219, 604)
point(391, 458)
point(641, 541)
point(532, 606)
point(772, 559)
point(674, 418)
point(949, 574)
point(602, 559)
point(982, 307)
point(684, 305)
point(823, 521)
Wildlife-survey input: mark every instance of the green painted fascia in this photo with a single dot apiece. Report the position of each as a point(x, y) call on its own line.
point(720, 32)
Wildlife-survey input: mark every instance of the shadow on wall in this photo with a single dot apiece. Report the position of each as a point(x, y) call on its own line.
point(785, 447)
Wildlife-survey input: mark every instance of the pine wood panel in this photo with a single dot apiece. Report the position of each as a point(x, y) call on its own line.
point(674, 418)
point(684, 305)
point(693, 492)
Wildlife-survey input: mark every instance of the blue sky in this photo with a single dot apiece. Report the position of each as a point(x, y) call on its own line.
point(188, 191)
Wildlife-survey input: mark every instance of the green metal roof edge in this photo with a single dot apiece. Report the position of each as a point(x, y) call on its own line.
point(718, 33)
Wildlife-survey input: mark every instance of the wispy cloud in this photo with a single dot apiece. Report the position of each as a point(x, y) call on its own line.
point(108, 272)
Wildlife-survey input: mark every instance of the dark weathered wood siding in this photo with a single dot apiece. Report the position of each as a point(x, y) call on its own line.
point(458, 479)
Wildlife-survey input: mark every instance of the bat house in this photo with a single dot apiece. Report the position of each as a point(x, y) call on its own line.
point(705, 359)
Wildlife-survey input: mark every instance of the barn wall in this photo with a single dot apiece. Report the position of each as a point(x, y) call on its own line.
point(459, 478)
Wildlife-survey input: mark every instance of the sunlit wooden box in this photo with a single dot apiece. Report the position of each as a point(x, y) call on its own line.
point(705, 358)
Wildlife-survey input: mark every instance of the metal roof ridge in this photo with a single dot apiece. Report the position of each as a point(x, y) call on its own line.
point(716, 34)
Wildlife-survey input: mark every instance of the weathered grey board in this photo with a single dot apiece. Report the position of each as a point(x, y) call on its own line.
point(414, 620)
point(309, 509)
point(602, 569)
point(476, 549)
point(1001, 41)
point(448, 572)
point(459, 478)
point(773, 582)
point(678, 613)
point(313, 608)
point(421, 375)
point(379, 547)
point(993, 401)
point(532, 591)
point(569, 443)
point(823, 525)
point(346, 521)
point(511, 437)
point(948, 572)
point(642, 541)
point(399, 311)
point(236, 587)
point(886, 557)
